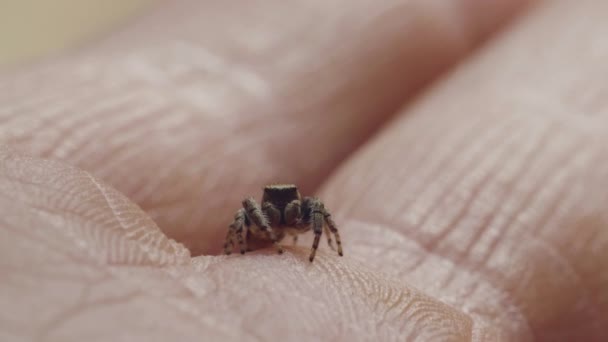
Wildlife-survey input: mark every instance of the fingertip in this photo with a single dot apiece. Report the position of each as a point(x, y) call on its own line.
point(120, 233)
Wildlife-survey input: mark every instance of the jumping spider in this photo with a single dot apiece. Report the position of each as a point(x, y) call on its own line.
point(283, 212)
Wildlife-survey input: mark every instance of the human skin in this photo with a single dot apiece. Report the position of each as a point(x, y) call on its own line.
point(474, 209)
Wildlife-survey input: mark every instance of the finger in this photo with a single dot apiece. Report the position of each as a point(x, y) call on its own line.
point(78, 259)
point(490, 193)
point(79, 211)
point(199, 105)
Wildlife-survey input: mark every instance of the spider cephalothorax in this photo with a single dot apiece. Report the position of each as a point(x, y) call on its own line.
point(283, 212)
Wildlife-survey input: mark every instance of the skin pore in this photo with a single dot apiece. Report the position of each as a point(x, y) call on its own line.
point(467, 179)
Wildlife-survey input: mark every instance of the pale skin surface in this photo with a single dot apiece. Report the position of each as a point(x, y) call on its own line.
point(477, 213)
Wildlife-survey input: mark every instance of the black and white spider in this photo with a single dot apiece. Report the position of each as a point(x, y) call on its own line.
point(283, 212)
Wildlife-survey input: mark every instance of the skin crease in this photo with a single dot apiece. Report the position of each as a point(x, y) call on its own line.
point(476, 213)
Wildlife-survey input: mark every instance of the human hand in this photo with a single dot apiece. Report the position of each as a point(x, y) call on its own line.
point(478, 213)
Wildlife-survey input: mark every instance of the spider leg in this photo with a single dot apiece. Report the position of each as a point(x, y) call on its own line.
point(236, 229)
point(293, 216)
point(256, 216)
point(273, 215)
point(293, 212)
point(320, 219)
point(229, 243)
point(316, 221)
point(239, 237)
point(334, 229)
point(328, 236)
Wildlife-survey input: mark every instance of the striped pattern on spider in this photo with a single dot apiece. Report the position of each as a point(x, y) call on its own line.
point(283, 212)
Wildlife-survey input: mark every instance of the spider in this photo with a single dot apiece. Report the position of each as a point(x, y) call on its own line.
point(283, 212)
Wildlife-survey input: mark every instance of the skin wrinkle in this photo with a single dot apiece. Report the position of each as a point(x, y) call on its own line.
point(566, 164)
point(350, 202)
point(66, 128)
point(110, 270)
point(83, 147)
point(511, 221)
point(548, 216)
point(54, 94)
point(356, 276)
point(576, 153)
point(63, 208)
point(9, 226)
point(486, 222)
point(42, 119)
point(286, 279)
point(472, 194)
point(585, 287)
point(361, 278)
point(119, 156)
point(577, 203)
point(434, 170)
point(101, 257)
point(456, 178)
point(377, 182)
point(439, 163)
point(200, 96)
point(347, 305)
point(185, 159)
point(481, 272)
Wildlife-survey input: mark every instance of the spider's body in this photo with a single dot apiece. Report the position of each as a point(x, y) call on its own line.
point(280, 196)
point(283, 212)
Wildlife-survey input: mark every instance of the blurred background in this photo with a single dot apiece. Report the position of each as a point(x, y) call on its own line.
point(31, 29)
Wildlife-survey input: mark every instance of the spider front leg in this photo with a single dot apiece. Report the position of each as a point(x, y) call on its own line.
point(237, 229)
point(334, 229)
point(319, 216)
point(293, 213)
point(229, 242)
point(293, 216)
point(316, 221)
point(327, 232)
point(272, 213)
point(256, 216)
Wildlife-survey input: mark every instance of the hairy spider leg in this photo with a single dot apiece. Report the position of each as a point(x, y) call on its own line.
point(328, 236)
point(316, 221)
point(334, 229)
point(293, 213)
point(293, 216)
point(229, 242)
point(255, 215)
point(238, 228)
point(320, 220)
